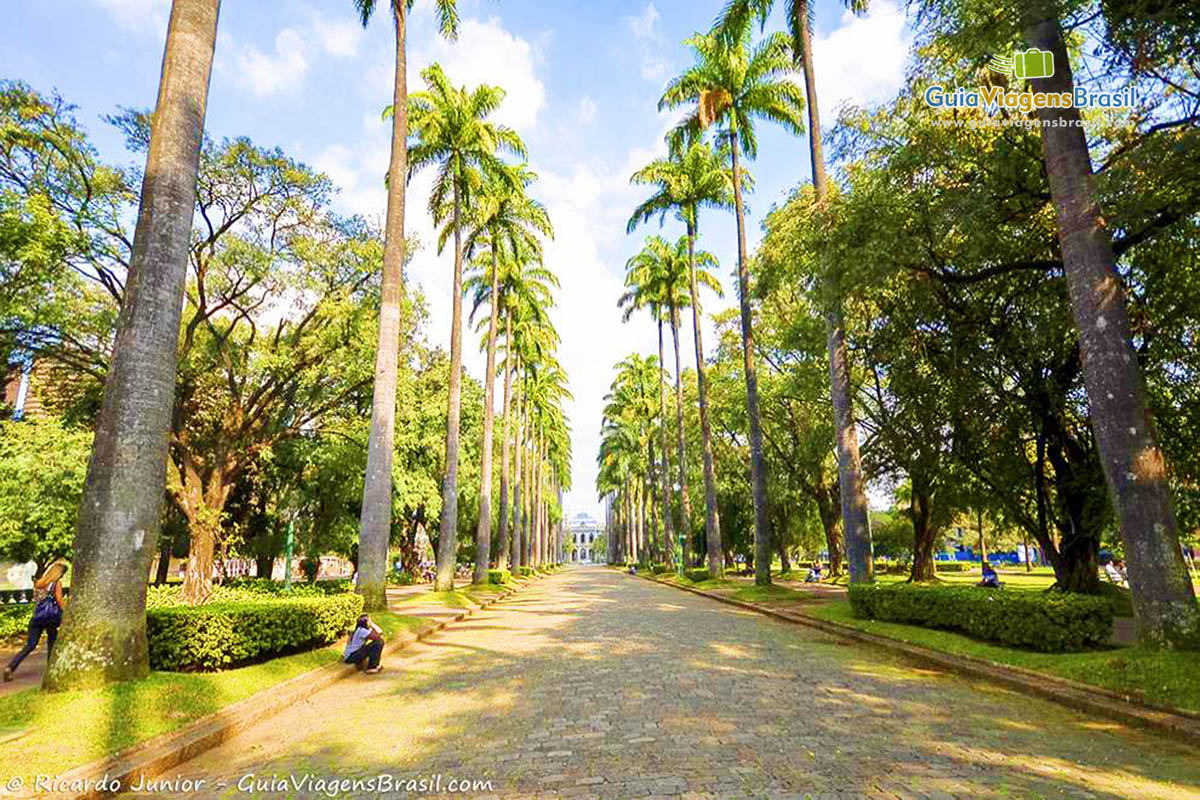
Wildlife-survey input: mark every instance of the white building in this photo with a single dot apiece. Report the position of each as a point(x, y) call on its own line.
point(585, 534)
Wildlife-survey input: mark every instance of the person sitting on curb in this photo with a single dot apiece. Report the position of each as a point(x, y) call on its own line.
point(365, 647)
point(814, 574)
point(990, 579)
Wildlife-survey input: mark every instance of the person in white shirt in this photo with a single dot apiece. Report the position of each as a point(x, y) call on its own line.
point(365, 646)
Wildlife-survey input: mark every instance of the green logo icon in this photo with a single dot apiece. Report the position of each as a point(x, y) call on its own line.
point(1032, 63)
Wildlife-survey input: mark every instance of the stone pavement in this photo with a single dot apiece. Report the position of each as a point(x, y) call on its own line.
point(594, 684)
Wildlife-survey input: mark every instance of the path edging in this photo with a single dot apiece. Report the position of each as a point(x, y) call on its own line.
point(1074, 695)
point(155, 756)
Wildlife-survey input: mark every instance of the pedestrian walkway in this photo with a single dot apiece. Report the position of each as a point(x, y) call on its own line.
point(595, 684)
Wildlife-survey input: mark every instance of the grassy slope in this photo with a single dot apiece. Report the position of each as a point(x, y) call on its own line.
point(104, 721)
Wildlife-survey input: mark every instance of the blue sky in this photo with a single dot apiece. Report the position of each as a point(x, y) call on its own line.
point(583, 81)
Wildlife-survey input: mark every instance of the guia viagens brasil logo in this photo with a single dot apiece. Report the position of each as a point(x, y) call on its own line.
point(1025, 65)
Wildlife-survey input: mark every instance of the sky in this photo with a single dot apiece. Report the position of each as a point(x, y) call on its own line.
point(582, 80)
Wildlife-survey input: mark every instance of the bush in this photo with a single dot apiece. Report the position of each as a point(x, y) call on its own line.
point(525, 572)
point(659, 569)
point(397, 577)
point(953, 566)
point(499, 576)
point(1048, 621)
point(14, 620)
point(227, 634)
point(696, 574)
point(248, 590)
point(270, 587)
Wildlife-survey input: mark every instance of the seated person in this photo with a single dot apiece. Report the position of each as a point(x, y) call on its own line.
point(1115, 571)
point(365, 646)
point(990, 579)
point(633, 569)
point(814, 574)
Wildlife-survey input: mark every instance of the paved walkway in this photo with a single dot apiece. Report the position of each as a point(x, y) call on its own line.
point(594, 684)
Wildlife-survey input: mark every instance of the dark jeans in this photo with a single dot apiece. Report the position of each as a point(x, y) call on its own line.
point(372, 651)
point(35, 636)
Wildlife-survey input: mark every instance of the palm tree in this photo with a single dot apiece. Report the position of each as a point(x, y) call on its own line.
point(376, 516)
point(856, 519)
point(691, 179)
point(104, 635)
point(1134, 465)
point(630, 417)
point(450, 130)
point(733, 84)
point(508, 221)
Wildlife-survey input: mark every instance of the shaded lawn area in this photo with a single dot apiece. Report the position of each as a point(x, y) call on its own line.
point(1164, 677)
point(48, 734)
point(457, 598)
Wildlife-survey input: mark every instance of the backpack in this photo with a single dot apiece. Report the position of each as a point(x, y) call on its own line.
point(47, 612)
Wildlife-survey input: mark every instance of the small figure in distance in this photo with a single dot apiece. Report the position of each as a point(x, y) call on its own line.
point(990, 579)
point(365, 646)
point(48, 604)
point(633, 569)
point(1115, 570)
point(814, 574)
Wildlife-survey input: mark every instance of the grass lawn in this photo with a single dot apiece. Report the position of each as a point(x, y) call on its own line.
point(1163, 677)
point(48, 734)
point(465, 597)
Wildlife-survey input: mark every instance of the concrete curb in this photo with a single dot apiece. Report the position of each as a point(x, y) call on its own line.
point(152, 758)
point(1179, 725)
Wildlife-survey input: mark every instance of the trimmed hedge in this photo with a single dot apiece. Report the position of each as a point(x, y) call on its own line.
point(271, 587)
point(525, 572)
point(696, 574)
point(499, 576)
point(222, 635)
point(1051, 622)
point(953, 566)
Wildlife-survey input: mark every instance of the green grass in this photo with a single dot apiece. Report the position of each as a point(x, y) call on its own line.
point(1161, 677)
point(767, 594)
point(67, 729)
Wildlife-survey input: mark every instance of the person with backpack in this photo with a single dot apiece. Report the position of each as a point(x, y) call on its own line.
point(48, 606)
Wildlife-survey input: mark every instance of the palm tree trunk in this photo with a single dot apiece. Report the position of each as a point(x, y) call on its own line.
point(712, 521)
point(375, 518)
point(758, 467)
point(448, 541)
point(668, 532)
point(518, 474)
point(502, 555)
point(856, 521)
point(527, 479)
point(1164, 601)
point(685, 523)
point(104, 634)
point(483, 531)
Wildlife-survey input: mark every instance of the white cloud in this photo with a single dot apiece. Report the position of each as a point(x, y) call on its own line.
point(265, 74)
point(845, 75)
point(340, 38)
point(587, 110)
point(644, 28)
point(139, 16)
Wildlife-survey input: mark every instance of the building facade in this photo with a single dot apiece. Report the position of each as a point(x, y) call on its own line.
point(586, 536)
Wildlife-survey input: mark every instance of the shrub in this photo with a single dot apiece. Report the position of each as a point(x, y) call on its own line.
point(1048, 621)
point(953, 566)
point(226, 634)
point(14, 620)
point(499, 576)
point(696, 574)
point(525, 572)
point(248, 590)
point(397, 577)
point(271, 587)
point(658, 569)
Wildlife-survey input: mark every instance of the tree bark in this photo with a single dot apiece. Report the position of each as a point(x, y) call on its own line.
point(758, 466)
point(924, 535)
point(856, 520)
point(668, 527)
point(448, 539)
point(518, 474)
point(502, 546)
point(483, 531)
point(685, 522)
point(104, 631)
point(1134, 467)
point(375, 521)
point(712, 520)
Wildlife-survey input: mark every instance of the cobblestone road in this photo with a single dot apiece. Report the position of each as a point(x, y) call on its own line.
point(593, 684)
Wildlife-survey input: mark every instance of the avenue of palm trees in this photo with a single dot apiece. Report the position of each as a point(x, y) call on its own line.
point(491, 234)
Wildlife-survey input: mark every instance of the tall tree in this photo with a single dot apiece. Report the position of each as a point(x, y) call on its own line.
point(450, 130)
point(104, 632)
point(690, 179)
point(375, 522)
point(1134, 466)
point(856, 520)
point(732, 84)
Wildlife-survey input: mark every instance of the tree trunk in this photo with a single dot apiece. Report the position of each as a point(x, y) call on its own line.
point(1134, 467)
point(924, 535)
point(483, 531)
point(375, 521)
point(668, 528)
point(983, 554)
point(518, 475)
point(856, 520)
point(104, 631)
point(712, 520)
point(202, 499)
point(448, 540)
point(166, 546)
point(527, 480)
point(685, 522)
point(502, 546)
point(828, 511)
point(758, 466)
